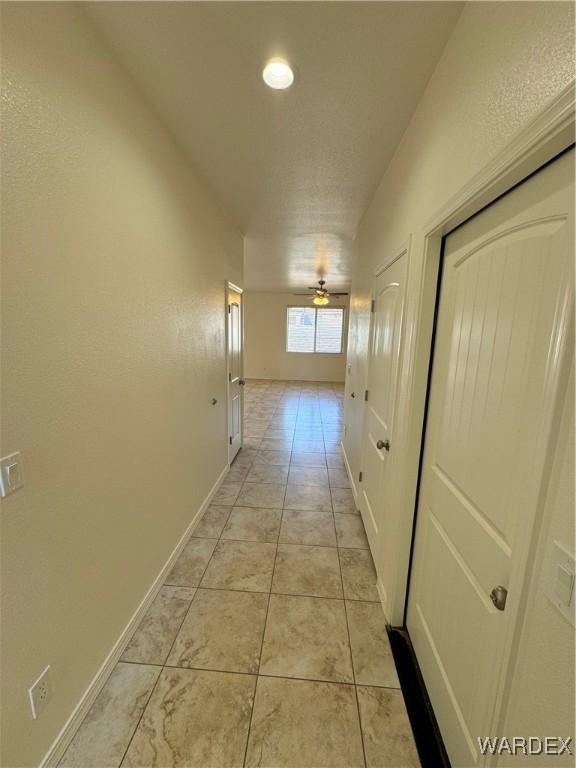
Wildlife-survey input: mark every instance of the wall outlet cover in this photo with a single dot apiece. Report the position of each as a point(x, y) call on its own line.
point(559, 587)
point(11, 477)
point(40, 692)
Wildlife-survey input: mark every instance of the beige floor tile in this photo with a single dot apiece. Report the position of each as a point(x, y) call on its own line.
point(267, 473)
point(388, 739)
point(212, 523)
point(313, 417)
point(371, 652)
point(338, 478)
point(192, 562)
point(241, 565)
point(308, 475)
point(279, 434)
point(227, 493)
point(308, 446)
point(276, 444)
point(312, 571)
point(308, 432)
point(305, 527)
point(267, 495)
point(335, 460)
point(343, 501)
point(303, 724)
point(315, 498)
point(153, 639)
point(237, 473)
point(308, 460)
point(244, 457)
point(222, 631)
point(306, 637)
point(332, 443)
point(194, 719)
point(358, 574)
point(251, 442)
point(253, 524)
point(350, 531)
point(101, 740)
point(275, 458)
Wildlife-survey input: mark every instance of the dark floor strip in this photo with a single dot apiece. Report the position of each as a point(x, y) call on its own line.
point(427, 736)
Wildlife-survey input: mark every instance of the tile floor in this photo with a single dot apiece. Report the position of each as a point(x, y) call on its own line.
point(267, 644)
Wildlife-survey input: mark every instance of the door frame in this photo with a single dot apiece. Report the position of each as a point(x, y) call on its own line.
point(229, 286)
point(546, 137)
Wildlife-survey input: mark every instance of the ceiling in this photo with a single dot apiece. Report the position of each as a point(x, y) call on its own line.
point(295, 169)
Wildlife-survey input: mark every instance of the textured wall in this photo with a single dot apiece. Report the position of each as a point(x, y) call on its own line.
point(503, 63)
point(114, 263)
point(265, 354)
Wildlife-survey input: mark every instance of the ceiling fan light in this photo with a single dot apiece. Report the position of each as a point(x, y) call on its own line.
point(320, 301)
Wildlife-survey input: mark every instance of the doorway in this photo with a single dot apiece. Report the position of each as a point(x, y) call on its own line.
point(498, 377)
point(235, 347)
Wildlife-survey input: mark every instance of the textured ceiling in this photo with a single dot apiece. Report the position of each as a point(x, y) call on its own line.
point(295, 169)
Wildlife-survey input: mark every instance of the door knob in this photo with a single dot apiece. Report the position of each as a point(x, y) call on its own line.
point(383, 444)
point(352, 394)
point(241, 382)
point(498, 597)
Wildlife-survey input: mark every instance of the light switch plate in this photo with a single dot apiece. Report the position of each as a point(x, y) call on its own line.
point(10, 474)
point(560, 581)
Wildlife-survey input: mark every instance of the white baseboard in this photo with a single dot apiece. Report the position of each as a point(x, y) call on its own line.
point(349, 471)
point(54, 754)
point(383, 598)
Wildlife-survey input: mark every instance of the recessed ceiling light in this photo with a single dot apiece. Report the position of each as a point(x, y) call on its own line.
point(278, 74)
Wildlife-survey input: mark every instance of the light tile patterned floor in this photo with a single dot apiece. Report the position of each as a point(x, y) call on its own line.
point(267, 645)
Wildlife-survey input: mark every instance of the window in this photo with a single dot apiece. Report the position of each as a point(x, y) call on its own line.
point(315, 330)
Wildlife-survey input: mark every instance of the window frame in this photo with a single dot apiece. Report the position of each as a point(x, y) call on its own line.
point(316, 310)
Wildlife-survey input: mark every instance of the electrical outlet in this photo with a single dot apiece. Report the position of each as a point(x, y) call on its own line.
point(40, 693)
point(10, 474)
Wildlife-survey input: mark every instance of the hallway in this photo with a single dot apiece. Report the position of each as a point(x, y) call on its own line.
point(267, 646)
point(287, 373)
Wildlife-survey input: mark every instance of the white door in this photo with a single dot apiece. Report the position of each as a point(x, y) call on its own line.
point(504, 315)
point(235, 381)
point(378, 415)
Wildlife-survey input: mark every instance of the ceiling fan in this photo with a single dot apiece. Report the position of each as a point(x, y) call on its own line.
point(321, 294)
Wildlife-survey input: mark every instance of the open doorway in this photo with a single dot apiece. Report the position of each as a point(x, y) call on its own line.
point(235, 346)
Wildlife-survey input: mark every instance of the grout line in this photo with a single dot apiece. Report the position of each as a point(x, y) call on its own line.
point(264, 632)
point(144, 708)
point(353, 670)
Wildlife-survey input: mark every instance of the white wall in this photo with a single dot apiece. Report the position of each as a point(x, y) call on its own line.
point(265, 355)
point(114, 263)
point(503, 63)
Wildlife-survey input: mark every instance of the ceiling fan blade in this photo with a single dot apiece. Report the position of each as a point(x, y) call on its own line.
point(338, 294)
point(302, 294)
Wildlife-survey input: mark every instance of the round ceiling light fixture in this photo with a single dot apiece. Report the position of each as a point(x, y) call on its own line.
point(320, 301)
point(278, 74)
